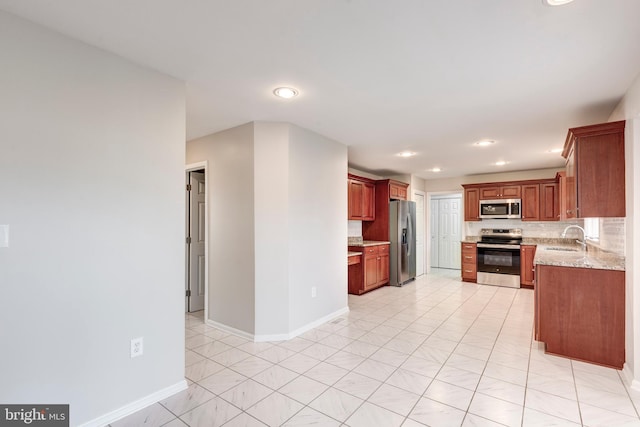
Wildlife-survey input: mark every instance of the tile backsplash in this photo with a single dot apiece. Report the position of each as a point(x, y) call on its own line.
point(612, 230)
point(612, 235)
point(550, 229)
point(355, 229)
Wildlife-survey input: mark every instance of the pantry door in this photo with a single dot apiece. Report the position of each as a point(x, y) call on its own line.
point(196, 241)
point(445, 228)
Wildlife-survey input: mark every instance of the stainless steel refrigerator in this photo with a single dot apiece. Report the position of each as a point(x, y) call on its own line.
point(402, 257)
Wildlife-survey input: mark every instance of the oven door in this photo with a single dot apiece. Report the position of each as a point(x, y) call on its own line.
point(498, 264)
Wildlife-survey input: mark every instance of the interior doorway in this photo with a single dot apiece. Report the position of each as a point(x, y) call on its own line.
point(445, 226)
point(196, 269)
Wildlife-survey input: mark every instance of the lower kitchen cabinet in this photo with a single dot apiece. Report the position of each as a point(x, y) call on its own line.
point(527, 254)
point(469, 257)
point(374, 270)
point(580, 313)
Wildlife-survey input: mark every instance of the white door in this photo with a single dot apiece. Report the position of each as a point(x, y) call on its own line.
point(449, 232)
point(195, 242)
point(419, 199)
point(434, 241)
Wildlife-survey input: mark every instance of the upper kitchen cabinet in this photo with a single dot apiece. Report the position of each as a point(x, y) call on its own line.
point(386, 190)
point(472, 204)
point(361, 194)
point(500, 192)
point(550, 201)
point(540, 198)
point(595, 171)
point(397, 190)
point(540, 201)
point(531, 202)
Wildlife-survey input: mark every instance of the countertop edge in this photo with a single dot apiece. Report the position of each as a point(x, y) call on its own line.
point(369, 243)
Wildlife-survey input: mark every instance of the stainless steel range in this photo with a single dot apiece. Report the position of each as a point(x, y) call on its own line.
point(499, 257)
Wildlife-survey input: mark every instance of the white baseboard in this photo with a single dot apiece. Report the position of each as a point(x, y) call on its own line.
point(277, 337)
point(629, 379)
point(137, 405)
point(231, 330)
point(302, 330)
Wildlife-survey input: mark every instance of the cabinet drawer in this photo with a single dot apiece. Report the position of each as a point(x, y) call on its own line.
point(370, 250)
point(469, 271)
point(383, 249)
point(469, 258)
point(469, 247)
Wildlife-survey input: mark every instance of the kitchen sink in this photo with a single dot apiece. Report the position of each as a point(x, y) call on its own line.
point(561, 249)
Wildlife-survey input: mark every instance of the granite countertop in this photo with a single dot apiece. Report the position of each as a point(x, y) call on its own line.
point(471, 239)
point(350, 253)
point(370, 243)
point(563, 255)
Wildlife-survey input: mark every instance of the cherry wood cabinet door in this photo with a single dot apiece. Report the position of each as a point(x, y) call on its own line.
point(383, 268)
point(510, 192)
point(549, 202)
point(531, 202)
point(368, 202)
point(471, 204)
point(356, 198)
point(527, 254)
point(488, 193)
point(580, 313)
point(571, 201)
point(600, 176)
point(595, 171)
point(500, 192)
point(370, 271)
point(397, 191)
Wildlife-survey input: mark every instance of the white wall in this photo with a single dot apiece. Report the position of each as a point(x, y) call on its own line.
point(272, 223)
point(278, 203)
point(91, 184)
point(230, 177)
point(318, 230)
point(629, 110)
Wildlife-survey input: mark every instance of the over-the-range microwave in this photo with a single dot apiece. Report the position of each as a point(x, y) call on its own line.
point(500, 209)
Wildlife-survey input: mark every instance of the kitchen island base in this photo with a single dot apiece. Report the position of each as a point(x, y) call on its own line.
point(580, 313)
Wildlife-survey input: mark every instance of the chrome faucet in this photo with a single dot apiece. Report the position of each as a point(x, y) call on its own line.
point(582, 242)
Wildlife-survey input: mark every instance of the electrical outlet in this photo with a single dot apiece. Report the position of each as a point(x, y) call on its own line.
point(313, 292)
point(136, 347)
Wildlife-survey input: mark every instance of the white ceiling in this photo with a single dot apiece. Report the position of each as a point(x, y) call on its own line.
point(381, 76)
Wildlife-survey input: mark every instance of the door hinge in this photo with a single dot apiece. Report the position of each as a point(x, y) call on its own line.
point(188, 240)
point(188, 187)
point(188, 293)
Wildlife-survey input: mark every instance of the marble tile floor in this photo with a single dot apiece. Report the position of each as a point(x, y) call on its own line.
point(436, 352)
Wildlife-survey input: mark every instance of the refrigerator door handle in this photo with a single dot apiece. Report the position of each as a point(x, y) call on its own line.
point(410, 234)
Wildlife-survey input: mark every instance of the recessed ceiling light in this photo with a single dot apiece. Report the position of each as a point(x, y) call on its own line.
point(556, 2)
point(406, 154)
point(501, 163)
point(555, 150)
point(285, 92)
point(485, 142)
point(436, 170)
